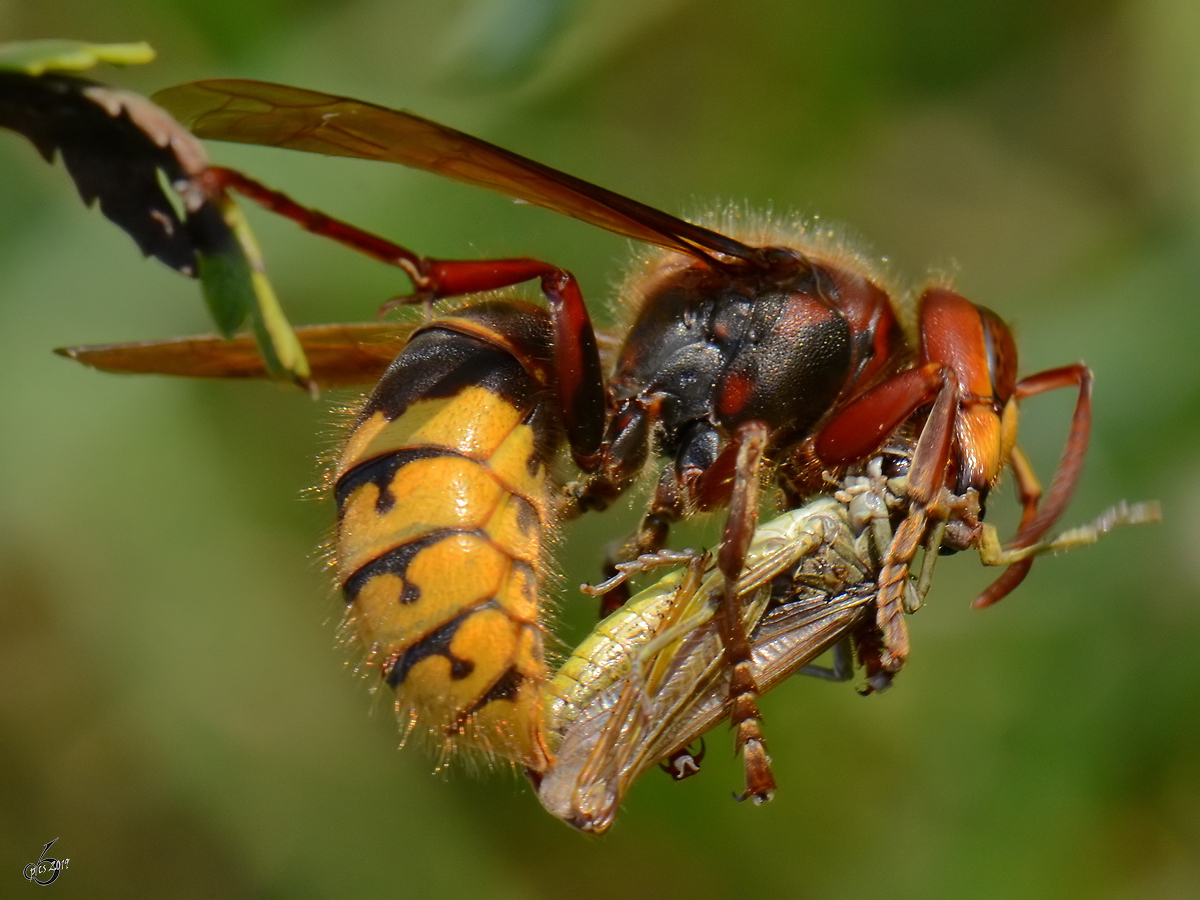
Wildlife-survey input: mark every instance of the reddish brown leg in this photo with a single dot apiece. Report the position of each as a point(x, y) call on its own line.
point(744, 717)
point(1034, 525)
point(857, 431)
point(705, 489)
point(926, 480)
point(863, 425)
point(577, 361)
point(1070, 467)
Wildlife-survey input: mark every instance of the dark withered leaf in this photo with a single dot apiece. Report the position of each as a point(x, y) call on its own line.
point(129, 155)
point(114, 146)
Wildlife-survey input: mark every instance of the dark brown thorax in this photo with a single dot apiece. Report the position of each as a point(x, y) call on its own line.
point(713, 348)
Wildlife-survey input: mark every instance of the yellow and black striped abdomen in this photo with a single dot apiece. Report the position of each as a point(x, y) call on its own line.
point(444, 499)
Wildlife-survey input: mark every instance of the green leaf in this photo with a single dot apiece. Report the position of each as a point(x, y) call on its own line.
point(225, 278)
point(236, 285)
point(36, 57)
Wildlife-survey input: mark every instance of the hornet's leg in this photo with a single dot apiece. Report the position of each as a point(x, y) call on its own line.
point(859, 429)
point(926, 479)
point(750, 442)
point(1070, 467)
point(580, 384)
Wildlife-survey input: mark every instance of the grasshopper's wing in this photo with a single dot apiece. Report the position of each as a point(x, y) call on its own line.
point(691, 702)
point(680, 687)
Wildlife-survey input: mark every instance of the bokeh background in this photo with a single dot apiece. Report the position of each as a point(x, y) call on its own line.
point(173, 703)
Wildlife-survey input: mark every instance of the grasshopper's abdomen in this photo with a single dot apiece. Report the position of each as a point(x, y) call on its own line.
point(444, 500)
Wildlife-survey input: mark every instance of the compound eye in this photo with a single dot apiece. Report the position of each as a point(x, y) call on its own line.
point(1001, 352)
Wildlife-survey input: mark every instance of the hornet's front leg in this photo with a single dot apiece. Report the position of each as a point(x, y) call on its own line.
point(748, 447)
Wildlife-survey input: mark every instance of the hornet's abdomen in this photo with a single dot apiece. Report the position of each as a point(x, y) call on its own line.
point(444, 500)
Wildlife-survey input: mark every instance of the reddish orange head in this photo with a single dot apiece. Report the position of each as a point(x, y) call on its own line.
point(978, 349)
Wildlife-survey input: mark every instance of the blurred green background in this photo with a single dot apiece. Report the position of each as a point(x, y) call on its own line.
point(173, 704)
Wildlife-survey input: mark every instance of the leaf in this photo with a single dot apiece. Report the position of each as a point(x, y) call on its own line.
point(114, 144)
point(243, 285)
point(128, 154)
point(36, 57)
point(225, 273)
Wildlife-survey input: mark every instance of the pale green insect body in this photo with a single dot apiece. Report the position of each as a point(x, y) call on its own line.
point(651, 678)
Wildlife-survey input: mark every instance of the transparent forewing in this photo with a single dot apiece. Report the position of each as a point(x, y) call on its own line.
point(338, 355)
point(674, 687)
point(277, 115)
